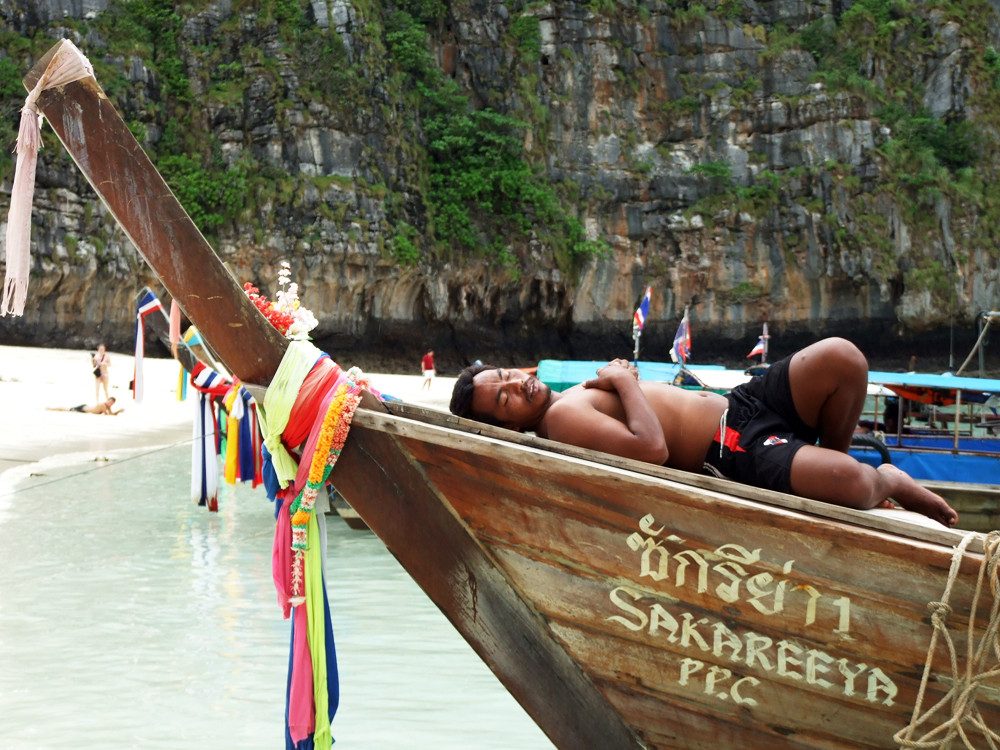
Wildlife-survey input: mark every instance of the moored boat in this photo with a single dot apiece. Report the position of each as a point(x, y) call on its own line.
point(952, 437)
point(561, 374)
point(623, 605)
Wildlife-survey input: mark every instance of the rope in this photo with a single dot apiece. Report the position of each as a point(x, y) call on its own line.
point(959, 702)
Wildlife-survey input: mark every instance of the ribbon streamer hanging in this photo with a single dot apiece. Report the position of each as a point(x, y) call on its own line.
point(66, 66)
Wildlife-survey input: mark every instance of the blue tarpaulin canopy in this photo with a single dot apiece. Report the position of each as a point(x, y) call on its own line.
point(936, 389)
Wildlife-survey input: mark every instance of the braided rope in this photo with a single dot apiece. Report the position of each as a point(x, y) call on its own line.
point(959, 703)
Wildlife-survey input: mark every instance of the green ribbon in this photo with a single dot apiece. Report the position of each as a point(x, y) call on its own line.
point(316, 619)
point(278, 402)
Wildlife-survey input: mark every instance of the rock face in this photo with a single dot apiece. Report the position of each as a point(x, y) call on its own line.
point(824, 164)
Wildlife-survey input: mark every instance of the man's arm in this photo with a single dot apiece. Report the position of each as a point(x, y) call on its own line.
point(639, 437)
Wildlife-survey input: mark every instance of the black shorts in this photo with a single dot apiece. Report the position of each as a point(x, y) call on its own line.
point(763, 432)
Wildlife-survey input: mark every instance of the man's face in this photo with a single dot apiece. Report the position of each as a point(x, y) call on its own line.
point(513, 397)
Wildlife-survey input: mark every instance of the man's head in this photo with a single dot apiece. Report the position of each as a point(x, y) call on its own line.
point(504, 397)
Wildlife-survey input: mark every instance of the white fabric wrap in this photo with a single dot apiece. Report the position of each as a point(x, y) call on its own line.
point(66, 66)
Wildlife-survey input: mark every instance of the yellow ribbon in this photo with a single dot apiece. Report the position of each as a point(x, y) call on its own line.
point(278, 402)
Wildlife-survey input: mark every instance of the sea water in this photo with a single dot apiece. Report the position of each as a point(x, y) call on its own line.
point(131, 617)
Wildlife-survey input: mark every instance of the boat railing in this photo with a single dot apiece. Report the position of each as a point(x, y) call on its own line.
point(914, 444)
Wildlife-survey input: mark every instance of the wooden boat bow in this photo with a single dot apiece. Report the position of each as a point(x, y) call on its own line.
point(143, 205)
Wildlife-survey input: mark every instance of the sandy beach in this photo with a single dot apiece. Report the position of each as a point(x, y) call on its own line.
point(35, 381)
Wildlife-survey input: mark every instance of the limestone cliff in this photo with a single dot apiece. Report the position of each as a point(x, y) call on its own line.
point(828, 164)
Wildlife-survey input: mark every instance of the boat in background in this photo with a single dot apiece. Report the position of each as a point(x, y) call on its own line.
point(342, 508)
point(560, 374)
point(954, 435)
point(624, 605)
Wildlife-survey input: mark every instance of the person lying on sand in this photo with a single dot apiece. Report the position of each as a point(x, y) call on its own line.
point(763, 433)
point(105, 407)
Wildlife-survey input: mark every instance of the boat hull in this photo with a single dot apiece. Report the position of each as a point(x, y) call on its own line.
point(705, 620)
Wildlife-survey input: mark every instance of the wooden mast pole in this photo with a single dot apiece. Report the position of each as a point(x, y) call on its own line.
point(121, 173)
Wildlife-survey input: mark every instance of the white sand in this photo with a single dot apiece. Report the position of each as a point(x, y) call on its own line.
point(33, 379)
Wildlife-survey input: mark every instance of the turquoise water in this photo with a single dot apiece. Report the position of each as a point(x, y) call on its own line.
point(130, 617)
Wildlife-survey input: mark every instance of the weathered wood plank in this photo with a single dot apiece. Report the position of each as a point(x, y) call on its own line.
point(122, 175)
point(673, 729)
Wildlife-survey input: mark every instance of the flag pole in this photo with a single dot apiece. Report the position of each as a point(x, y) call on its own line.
point(680, 350)
point(683, 352)
point(766, 337)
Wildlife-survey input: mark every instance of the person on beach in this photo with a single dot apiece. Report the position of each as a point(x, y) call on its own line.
point(763, 433)
point(101, 361)
point(104, 407)
point(427, 367)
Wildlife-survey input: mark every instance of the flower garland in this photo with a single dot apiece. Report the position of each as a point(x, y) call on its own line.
point(333, 434)
point(280, 320)
point(286, 312)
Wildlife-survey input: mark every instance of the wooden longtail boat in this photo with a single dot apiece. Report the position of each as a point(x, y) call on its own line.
point(966, 452)
point(623, 605)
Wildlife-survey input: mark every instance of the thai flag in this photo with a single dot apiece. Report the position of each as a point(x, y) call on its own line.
point(639, 319)
point(757, 349)
point(681, 350)
point(148, 304)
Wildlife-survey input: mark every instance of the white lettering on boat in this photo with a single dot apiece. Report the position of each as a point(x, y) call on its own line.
point(727, 573)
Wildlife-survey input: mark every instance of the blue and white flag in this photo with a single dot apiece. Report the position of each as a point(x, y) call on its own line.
point(639, 319)
point(681, 350)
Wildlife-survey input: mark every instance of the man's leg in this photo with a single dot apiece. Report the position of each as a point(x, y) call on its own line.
point(835, 477)
point(829, 382)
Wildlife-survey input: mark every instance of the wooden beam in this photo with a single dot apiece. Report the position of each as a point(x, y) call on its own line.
point(121, 173)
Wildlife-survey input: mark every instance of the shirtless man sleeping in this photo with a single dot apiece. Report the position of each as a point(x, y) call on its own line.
point(788, 430)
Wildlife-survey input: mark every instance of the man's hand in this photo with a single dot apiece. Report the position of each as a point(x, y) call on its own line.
point(638, 436)
point(607, 375)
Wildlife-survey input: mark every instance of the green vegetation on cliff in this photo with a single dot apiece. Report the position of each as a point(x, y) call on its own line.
point(439, 130)
point(482, 193)
point(932, 168)
point(478, 192)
